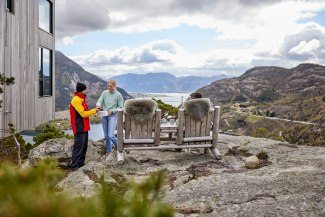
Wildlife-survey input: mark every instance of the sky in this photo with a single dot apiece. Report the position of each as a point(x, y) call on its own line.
point(189, 37)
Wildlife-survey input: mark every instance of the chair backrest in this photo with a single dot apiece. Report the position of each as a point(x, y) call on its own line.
point(141, 122)
point(196, 121)
point(198, 117)
point(140, 118)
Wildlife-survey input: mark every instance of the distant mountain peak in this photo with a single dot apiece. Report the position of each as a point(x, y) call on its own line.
point(258, 70)
point(67, 74)
point(267, 83)
point(305, 66)
point(61, 58)
point(162, 82)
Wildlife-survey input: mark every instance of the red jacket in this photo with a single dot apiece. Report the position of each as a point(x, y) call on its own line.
point(79, 114)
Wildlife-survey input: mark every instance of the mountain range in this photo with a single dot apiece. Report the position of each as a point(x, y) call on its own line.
point(296, 93)
point(163, 82)
point(67, 74)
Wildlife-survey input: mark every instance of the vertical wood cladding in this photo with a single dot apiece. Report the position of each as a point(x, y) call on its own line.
point(20, 39)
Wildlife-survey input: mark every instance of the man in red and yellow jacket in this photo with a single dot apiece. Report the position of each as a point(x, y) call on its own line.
point(79, 117)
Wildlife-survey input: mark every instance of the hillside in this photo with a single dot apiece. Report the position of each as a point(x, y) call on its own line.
point(296, 93)
point(68, 73)
point(163, 82)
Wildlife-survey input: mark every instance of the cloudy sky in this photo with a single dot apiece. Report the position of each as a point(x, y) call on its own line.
point(189, 37)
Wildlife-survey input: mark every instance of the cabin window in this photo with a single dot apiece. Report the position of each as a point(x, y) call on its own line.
point(45, 15)
point(10, 5)
point(45, 72)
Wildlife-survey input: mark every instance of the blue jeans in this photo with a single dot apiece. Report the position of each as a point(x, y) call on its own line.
point(109, 125)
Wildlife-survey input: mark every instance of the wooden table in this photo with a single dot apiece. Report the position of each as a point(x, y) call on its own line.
point(170, 129)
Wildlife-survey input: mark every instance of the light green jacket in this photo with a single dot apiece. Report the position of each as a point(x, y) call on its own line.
point(110, 101)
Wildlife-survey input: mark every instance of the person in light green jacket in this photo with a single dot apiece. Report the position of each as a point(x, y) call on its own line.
point(110, 100)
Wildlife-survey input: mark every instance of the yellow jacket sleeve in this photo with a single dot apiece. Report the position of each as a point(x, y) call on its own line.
point(77, 104)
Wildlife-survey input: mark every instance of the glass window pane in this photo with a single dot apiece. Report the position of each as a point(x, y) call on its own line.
point(45, 15)
point(40, 73)
point(9, 5)
point(47, 75)
point(45, 72)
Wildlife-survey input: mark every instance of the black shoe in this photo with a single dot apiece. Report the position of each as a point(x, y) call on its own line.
point(74, 168)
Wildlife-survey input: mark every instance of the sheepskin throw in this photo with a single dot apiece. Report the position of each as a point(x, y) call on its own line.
point(140, 110)
point(197, 108)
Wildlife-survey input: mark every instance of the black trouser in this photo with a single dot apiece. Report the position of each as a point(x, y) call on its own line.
point(79, 150)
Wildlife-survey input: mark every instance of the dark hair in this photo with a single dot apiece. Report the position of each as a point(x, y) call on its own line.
point(195, 95)
point(80, 87)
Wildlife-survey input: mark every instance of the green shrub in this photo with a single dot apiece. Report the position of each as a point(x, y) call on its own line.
point(8, 150)
point(32, 192)
point(265, 133)
point(261, 132)
point(62, 124)
point(166, 108)
point(253, 119)
point(49, 132)
point(305, 134)
point(5, 81)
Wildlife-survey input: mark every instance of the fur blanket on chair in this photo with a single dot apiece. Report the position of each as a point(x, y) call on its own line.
point(140, 110)
point(197, 108)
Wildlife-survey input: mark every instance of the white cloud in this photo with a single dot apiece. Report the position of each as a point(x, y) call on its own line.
point(227, 17)
point(159, 51)
point(163, 55)
point(305, 47)
point(67, 41)
point(273, 26)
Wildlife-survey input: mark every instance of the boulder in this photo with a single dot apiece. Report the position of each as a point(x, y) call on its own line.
point(84, 181)
point(61, 150)
point(252, 162)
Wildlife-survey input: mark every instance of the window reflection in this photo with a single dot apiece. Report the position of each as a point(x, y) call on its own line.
point(45, 72)
point(47, 86)
point(10, 5)
point(40, 73)
point(45, 15)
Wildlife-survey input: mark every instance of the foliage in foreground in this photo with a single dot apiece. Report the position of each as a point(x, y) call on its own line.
point(32, 192)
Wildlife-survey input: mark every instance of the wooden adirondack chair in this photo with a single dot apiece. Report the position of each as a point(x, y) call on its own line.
point(141, 125)
point(198, 126)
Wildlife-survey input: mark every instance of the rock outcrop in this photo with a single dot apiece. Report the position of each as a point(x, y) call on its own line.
point(292, 183)
point(61, 150)
point(268, 83)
